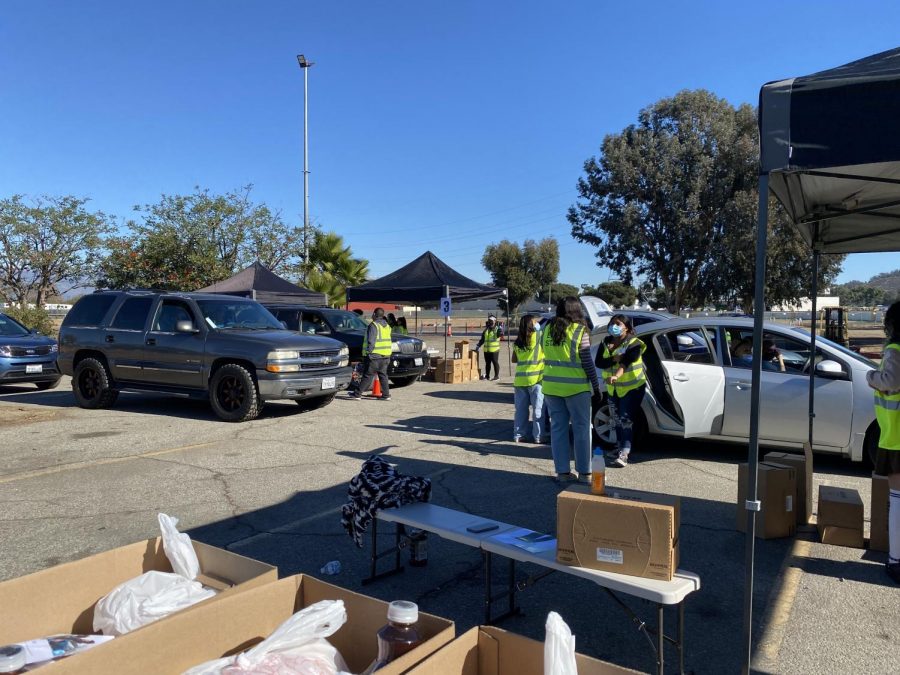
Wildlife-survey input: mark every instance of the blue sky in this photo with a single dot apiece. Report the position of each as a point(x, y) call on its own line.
point(433, 125)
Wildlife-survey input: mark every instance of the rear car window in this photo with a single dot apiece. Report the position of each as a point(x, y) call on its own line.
point(132, 315)
point(89, 311)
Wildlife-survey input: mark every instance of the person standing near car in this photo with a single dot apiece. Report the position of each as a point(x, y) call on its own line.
point(490, 341)
point(401, 326)
point(886, 383)
point(376, 355)
point(622, 367)
point(529, 359)
point(570, 378)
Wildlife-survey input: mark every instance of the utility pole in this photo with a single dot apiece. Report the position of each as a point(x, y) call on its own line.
point(305, 65)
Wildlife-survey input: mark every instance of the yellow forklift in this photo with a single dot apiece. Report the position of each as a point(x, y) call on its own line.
point(836, 328)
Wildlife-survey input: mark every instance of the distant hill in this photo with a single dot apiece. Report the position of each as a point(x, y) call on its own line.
point(888, 281)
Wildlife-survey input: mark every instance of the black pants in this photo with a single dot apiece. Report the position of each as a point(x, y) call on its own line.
point(375, 365)
point(491, 358)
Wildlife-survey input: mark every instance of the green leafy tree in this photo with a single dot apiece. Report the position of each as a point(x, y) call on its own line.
point(615, 293)
point(522, 270)
point(34, 317)
point(665, 196)
point(552, 293)
point(859, 294)
point(48, 243)
point(332, 267)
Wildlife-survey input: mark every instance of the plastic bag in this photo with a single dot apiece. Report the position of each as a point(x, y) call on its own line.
point(559, 647)
point(297, 647)
point(153, 595)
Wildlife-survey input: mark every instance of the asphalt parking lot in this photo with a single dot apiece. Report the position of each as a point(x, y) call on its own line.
point(75, 482)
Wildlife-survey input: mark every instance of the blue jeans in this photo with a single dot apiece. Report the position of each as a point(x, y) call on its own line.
point(577, 410)
point(529, 398)
point(626, 409)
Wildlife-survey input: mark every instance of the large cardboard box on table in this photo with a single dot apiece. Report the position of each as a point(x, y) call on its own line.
point(840, 518)
point(878, 536)
point(61, 599)
point(804, 469)
point(624, 531)
point(777, 492)
point(237, 623)
point(486, 650)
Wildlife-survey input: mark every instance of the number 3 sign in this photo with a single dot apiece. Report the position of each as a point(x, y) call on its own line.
point(445, 306)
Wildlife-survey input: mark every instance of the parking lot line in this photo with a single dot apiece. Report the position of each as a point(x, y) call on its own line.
point(76, 466)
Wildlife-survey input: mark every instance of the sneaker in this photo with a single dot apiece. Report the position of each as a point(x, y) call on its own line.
point(354, 395)
point(497, 377)
point(621, 460)
point(544, 441)
point(517, 439)
point(482, 377)
point(565, 477)
point(893, 571)
point(383, 398)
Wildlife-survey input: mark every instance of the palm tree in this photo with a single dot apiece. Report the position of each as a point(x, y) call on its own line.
point(332, 267)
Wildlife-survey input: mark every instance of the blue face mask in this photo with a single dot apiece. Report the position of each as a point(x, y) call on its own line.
point(615, 330)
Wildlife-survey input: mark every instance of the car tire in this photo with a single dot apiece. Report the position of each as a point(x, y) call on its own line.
point(403, 381)
point(92, 385)
point(44, 386)
point(233, 394)
point(307, 404)
point(603, 434)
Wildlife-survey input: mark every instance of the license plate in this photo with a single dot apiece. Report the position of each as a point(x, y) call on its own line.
point(418, 362)
point(34, 368)
point(328, 383)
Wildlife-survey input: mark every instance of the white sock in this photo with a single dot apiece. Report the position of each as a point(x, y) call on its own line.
point(894, 527)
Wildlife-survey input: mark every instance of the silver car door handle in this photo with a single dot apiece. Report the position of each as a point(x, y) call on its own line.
point(681, 377)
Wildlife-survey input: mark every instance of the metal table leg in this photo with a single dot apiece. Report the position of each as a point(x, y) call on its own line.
point(660, 640)
point(681, 637)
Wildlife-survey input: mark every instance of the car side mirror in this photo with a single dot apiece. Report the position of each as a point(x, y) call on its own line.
point(829, 368)
point(283, 324)
point(185, 327)
point(684, 341)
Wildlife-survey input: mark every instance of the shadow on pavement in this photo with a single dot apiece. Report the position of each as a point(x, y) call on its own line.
point(474, 395)
point(437, 425)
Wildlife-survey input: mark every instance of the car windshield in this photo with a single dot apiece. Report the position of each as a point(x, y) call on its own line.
point(232, 314)
point(11, 328)
point(343, 321)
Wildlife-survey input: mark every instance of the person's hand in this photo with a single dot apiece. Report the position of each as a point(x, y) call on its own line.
point(612, 379)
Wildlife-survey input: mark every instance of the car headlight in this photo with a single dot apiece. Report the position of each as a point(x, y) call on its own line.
point(54, 348)
point(395, 347)
point(424, 346)
point(5, 350)
point(282, 355)
point(345, 351)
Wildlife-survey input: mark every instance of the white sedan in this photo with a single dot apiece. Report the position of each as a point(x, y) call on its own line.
point(699, 386)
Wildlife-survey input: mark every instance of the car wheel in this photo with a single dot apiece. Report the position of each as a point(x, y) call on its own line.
point(307, 404)
point(403, 381)
point(44, 386)
point(92, 385)
point(233, 394)
point(603, 430)
point(870, 444)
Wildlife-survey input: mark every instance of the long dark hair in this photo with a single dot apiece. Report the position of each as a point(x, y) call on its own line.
point(568, 310)
point(892, 318)
point(526, 330)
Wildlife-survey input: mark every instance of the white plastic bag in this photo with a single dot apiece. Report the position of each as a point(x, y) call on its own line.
point(146, 599)
point(559, 647)
point(153, 595)
point(297, 647)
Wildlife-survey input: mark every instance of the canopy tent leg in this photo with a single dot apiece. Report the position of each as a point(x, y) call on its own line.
point(752, 503)
point(812, 335)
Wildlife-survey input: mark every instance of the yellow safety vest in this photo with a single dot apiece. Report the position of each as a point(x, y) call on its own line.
point(401, 329)
point(634, 375)
point(563, 374)
point(529, 363)
point(382, 341)
point(887, 412)
point(491, 340)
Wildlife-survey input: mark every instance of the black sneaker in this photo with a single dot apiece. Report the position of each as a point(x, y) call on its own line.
point(354, 395)
point(893, 571)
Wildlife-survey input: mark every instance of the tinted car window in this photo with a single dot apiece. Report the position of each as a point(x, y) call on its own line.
point(170, 313)
point(89, 311)
point(9, 327)
point(230, 314)
point(132, 315)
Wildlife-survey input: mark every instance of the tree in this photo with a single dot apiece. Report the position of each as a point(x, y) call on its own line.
point(859, 294)
point(333, 268)
point(522, 270)
point(50, 242)
point(556, 291)
point(615, 293)
point(670, 198)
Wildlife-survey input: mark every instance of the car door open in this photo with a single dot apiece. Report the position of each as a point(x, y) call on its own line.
point(695, 380)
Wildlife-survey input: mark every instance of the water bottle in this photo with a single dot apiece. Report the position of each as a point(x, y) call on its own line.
point(399, 636)
point(598, 472)
point(12, 659)
point(418, 548)
point(331, 568)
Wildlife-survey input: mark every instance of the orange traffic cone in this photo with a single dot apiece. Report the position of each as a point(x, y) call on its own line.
point(376, 388)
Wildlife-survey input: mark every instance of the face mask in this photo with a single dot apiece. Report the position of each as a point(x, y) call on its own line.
point(615, 330)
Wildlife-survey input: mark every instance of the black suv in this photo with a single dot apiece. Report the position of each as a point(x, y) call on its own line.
point(226, 348)
point(409, 356)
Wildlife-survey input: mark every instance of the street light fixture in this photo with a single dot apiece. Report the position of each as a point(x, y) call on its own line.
point(305, 65)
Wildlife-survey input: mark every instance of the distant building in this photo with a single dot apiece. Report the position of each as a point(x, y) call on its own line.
point(805, 304)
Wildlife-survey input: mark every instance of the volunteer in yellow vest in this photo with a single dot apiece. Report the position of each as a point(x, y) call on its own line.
point(529, 397)
point(401, 326)
point(620, 360)
point(886, 383)
point(490, 340)
point(570, 379)
point(376, 355)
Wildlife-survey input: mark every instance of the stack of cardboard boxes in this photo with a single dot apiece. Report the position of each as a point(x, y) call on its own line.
point(463, 367)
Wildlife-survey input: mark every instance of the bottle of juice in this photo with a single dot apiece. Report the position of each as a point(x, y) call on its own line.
point(598, 472)
point(399, 636)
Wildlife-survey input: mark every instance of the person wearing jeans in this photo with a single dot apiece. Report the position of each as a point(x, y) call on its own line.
point(529, 396)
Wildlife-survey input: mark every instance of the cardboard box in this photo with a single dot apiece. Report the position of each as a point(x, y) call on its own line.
point(624, 531)
point(61, 599)
point(804, 469)
point(878, 536)
point(777, 490)
point(450, 371)
point(474, 370)
point(485, 650)
point(463, 347)
point(237, 623)
point(840, 518)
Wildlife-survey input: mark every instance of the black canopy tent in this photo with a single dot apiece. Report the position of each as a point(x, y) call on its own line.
point(830, 154)
point(424, 281)
point(260, 283)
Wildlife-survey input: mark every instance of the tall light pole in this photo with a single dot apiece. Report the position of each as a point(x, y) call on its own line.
point(305, 65)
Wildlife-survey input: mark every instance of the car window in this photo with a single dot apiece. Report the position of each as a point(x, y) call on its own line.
point(132, 315)
point(684, 345)
point(236, 313)
point(312, 322)
point(781, 353)
point(343, 321)
point(9, 327)
point(291, 318)
point(169, 314)
point(89, 311)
